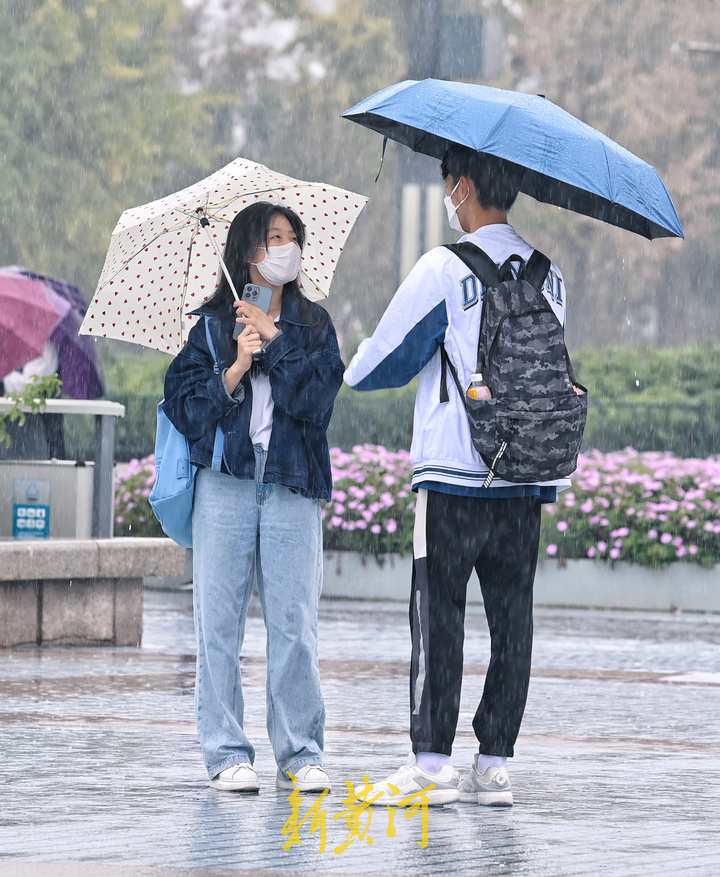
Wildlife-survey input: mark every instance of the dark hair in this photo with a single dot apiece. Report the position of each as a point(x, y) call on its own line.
point(496, 181)
point(248, 231)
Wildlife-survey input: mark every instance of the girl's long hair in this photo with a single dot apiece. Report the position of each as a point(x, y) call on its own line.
point(248, 231)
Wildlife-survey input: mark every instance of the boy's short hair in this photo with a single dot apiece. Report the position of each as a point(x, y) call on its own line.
point(497, 182)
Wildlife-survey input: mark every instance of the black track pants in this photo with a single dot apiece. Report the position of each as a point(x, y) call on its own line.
point(499, 537)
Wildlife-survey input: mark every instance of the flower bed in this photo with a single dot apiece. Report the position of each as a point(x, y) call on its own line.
point(372, 505)
point(133, 514)
point(645, 508)
point(649, 508)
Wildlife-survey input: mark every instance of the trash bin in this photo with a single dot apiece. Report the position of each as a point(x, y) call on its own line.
point(99, 503)
point(42, 499)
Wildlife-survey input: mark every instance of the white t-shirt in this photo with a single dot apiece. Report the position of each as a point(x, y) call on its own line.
point(261, 418)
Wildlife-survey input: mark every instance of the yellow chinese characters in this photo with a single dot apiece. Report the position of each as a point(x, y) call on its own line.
point(357, 815)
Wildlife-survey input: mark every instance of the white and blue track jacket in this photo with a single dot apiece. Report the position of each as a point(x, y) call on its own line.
point(441, 301)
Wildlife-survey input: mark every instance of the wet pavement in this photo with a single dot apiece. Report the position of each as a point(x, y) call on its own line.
point(617, 769)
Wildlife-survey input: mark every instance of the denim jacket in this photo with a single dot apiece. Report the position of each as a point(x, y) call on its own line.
point(305, 370)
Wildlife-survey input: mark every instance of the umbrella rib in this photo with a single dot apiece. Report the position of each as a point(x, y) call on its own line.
point(144, 247)
point(186, 276)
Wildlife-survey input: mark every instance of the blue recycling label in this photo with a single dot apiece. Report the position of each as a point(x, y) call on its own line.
point(31, 521)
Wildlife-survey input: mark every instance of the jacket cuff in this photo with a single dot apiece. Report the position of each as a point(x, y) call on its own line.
point(219, 395)
point(238, 394)
point(274, 352)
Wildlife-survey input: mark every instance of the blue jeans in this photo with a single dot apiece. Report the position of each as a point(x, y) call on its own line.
point(241, 528)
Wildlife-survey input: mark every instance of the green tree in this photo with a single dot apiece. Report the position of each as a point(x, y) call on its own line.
point(93, 119)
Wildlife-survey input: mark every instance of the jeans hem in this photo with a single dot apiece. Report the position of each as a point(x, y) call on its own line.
point(295, 766)
point(228, 762)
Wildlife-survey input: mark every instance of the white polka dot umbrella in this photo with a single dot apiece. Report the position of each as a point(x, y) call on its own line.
point(164, 257)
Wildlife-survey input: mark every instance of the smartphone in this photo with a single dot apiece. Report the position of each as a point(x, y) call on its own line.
point(260, 296)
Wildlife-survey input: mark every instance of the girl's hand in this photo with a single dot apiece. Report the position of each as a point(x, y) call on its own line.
point(248, 341)
point(257, 318)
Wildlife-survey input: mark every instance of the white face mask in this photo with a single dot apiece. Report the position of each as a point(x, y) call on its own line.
point(281, 264)
point(452, 209)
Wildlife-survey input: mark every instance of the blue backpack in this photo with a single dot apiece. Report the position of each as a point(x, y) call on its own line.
point(172, 495)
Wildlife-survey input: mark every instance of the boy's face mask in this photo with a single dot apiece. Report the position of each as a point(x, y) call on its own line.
point(452, 209)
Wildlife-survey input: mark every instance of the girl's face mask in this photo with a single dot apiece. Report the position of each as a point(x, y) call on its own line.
point(281, 264)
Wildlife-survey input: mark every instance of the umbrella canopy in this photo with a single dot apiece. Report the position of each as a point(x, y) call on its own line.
point(28, 314)
point(565, 161)
point(79, 364)
point(164, 257)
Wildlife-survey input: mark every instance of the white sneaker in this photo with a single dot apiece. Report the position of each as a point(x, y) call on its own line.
point(238, 778)
point(411, 778)
point(311, 778)
point(491, 789)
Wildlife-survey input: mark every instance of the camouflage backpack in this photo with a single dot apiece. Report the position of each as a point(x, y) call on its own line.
point(531, 428)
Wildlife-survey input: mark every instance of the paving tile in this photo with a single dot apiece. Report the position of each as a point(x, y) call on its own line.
point(617, 769)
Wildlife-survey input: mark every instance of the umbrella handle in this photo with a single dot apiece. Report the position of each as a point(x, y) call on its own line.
point(205, 222)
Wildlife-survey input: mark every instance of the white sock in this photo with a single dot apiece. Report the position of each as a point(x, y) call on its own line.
point(486, 761)
point(432, 762)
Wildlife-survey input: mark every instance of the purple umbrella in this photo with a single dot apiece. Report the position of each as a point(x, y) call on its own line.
point(80, 367)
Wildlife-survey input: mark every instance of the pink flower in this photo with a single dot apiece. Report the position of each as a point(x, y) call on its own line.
point(562, 526)
point(693, 549)
point(587, 506)
point(376, 529)
point(614, 553)
point(602, 547)
point(552, 550)
point(666, 538)
point(652, 534)
point(591, 552)
point(681, 551)
point(391, 525)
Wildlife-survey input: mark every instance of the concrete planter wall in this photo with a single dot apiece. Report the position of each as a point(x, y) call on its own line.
point(576, 583)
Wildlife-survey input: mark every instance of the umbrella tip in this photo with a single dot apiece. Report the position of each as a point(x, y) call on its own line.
point(541, 95)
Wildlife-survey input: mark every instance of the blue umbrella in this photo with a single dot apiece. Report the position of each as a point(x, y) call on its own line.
point(564, 161)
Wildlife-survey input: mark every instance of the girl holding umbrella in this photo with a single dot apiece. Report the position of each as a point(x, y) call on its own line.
point(271, 394)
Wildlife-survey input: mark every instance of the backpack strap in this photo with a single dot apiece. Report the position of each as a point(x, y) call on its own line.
point(477, 261)
point(445, 364)
point(219, 434)
point(536, 269)
point(483, 267)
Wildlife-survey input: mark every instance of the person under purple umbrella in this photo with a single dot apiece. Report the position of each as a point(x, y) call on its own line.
point(78, 363)
point(73, 357)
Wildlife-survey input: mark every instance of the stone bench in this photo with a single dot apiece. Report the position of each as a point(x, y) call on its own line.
point(80, 591)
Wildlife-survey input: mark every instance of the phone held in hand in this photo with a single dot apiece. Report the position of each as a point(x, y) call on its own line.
point(260, 296)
